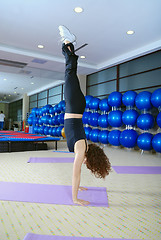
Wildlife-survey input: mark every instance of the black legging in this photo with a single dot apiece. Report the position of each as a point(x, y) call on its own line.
point(74, 98)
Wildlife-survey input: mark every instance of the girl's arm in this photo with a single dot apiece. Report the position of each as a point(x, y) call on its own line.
point(79, 158)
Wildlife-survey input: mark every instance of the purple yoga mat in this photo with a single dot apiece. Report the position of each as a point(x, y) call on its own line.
point(32, 236)
point(62, 151)
point(50, 194)
point(51, 160)
point(137, 169)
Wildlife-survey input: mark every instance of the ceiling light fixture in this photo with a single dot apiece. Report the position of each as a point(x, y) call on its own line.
point(130, 32)
point(22, 88)
point(32, 83)
point(40, 46)
point(82, 57)
point(78, 9)
point(4, 79)
point(14, 92)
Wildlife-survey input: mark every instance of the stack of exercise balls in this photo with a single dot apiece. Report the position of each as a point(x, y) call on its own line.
point(120, 120)
point(48, 120)
point(124, 120)
point(145, 121)
point(156, 101)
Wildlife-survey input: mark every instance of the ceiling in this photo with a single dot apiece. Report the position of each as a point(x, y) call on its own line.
point(102, 25)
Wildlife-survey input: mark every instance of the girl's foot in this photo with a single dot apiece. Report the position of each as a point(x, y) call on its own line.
point(66, 35)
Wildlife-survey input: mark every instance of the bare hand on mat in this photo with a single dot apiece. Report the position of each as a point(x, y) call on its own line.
point(81, 202)
point(82, 189)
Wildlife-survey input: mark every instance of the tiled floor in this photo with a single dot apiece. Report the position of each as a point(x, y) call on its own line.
point(134, 200)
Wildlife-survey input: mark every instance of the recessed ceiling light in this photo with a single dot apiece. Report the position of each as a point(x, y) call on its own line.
point(22, 88)
point(78, 9)
point(130, 32)
point(9, 95)
point(14, 92)
point(32, 83)
point(82, 57)
point(4, 79)
point(40, 46)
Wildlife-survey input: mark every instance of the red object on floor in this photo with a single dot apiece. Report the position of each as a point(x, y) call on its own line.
point(23, 125)
point(26, 129)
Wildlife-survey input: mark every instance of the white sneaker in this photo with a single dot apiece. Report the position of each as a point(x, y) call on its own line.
point(66, 35)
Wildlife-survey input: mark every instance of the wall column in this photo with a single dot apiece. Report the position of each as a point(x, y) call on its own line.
point(82, 80)
point(25, 106)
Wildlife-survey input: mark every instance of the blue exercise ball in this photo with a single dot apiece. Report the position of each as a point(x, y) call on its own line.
point(61, 118)
point(35, 120)
point(88, 98)
point(85, 117)
point(93, 119)
point(54, 110)
point(87, 132)
point(144, 141)
point(156, 98)
point(103, 136)
point(115, 118)
point(46, 108)
point(46, 130)
point(145, 121)
point(41, 129)
point(51, 110)
point(35, 129)
point(39, 122)
point(45, 119)
point(129, 117)
point(34, 110)
point(48, 117)
point(156, 142)
point(159, 119)
point(103, 121)
point(40, 112)
point(50, 131)
point(58, 131)
point(143, 100)
point(54, 131)
point(51, 121)
point(55, 120)
point(37, 112)
point(94, 135)
point(115, 99)
point(30, 120)
point(38, 131)
point(103, 105)
point(94, 103)
point(128, 138)
point(57, 109)
point(43, 110)
point(32, 115)
point(114, 137)
point(61, 105)
point(128, 98)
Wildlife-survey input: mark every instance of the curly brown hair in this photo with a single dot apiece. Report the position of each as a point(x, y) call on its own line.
point(97, 161)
